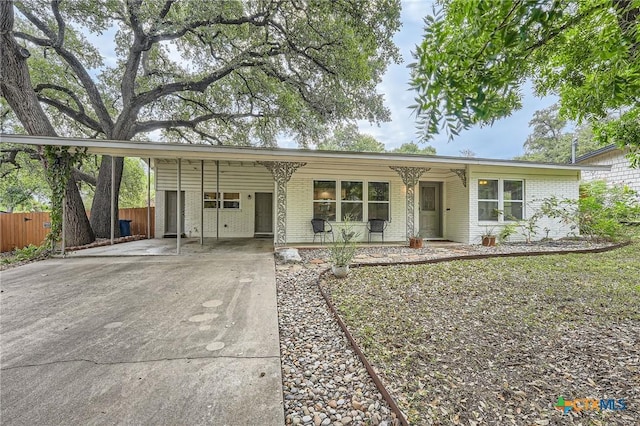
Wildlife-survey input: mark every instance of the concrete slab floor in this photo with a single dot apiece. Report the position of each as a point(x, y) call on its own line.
point(142, 340)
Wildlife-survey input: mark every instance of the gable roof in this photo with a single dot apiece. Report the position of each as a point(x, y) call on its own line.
point(243, 153)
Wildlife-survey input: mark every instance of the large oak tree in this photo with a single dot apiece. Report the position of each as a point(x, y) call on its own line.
point(223, 72)
point(477, 55)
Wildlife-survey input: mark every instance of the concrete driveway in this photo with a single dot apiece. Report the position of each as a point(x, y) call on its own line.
point(142, 340)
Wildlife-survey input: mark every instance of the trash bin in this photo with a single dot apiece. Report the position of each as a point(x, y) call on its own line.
point(125, 227)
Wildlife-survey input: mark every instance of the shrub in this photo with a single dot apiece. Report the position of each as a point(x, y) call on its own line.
point(599, 213)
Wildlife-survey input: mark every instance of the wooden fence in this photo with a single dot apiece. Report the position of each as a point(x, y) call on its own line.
point(18, 230)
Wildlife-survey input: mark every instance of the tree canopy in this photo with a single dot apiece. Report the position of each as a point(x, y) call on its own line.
point(348, 138)
point(413, 148)
point(550, 140)
point(477, 55)
point(222, 72)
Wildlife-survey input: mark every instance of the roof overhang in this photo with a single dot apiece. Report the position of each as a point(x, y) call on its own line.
point(236, 153)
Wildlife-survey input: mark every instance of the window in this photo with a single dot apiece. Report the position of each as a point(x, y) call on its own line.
point(378, 197)
point(513, 198)
point(354, 203)
point(230, 200)
point(324, 199)
point(498, 195)
point(351, 201)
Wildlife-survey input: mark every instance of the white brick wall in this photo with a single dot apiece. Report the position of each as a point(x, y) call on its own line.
point(456, 210)
point(537, 187)
point(459, 221)
point(621, 173)
point(300, 202)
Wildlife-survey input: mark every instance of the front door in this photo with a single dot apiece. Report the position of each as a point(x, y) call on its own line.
point(171, 212)
point(430, 210)
point(264, 213)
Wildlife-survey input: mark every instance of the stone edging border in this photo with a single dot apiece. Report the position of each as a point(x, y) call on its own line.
point(374, 376)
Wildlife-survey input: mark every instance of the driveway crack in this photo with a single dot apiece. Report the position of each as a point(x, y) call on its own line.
point(144, 361)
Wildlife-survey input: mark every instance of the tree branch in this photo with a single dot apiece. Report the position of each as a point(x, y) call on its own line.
point(85, 177)
point(78, 116)
point(149, 126)
point(85, 79)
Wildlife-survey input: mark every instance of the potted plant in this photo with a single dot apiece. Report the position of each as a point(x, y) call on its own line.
point(488, 237)
point(415, 242)
point(342, 251)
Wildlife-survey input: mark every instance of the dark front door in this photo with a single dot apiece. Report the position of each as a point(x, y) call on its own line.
point(264, 213)
point(171, 212)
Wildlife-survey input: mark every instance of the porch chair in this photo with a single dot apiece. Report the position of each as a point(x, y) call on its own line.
point(377, 226)
point(321, 228)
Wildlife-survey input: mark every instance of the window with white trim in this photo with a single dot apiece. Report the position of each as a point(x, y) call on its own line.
point(230, 200)
point(378, 200)
point(351, 201)
point(324, 199)
point(358, 201)
point(496, 196)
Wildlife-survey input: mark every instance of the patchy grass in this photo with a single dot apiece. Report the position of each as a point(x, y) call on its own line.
point(499, 340)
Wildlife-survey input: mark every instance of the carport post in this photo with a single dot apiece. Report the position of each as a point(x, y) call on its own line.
point(64, 219)
point(113, 198)
point(201, 202)
point(218, 200)
point(149, 199)
point(179, 207)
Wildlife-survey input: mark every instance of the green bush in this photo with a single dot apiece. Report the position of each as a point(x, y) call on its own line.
point(600, 213)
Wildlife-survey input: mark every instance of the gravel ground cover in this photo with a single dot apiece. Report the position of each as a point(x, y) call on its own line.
point(498, 341)
point(324, 382)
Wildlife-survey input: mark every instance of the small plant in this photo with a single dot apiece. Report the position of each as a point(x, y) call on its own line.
point(489, 236)
point(506, 232)
point(342, 251)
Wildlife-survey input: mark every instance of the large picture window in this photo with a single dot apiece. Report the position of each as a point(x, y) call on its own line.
point(500, 195)
point(353, 200)
point(324, 199)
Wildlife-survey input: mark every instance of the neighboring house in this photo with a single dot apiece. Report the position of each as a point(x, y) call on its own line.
point(620, 173)
point(246, 192)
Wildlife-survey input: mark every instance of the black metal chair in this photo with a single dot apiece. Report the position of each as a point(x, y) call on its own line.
point(377, 226)
point(321, 228)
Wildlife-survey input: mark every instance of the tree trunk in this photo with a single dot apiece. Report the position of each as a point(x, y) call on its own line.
point(101, 207)
point(76, 231)
point(16, 88)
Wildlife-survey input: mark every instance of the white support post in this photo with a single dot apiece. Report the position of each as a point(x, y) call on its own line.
point(179, 208)
point(149, 199)
point(64, 227)
point(113, 198)
point(201, 202)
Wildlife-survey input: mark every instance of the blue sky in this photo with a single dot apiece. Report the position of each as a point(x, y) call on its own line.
point(502, 140)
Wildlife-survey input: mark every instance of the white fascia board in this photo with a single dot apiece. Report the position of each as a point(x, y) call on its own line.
point(236, 153)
